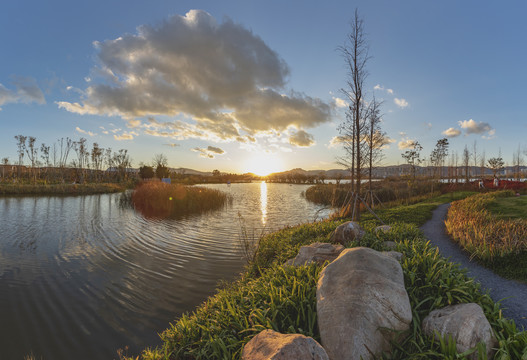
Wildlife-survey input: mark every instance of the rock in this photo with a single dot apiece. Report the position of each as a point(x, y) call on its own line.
point(347, 232)
point(382, 228)
point(316, 252)
point(390, 245)
point(467, 325)
point(394, 255)
point(271, 345)
point(360, 296)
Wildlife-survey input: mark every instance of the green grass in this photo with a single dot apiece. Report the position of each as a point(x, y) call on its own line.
point(509, 207)
point(271, 296)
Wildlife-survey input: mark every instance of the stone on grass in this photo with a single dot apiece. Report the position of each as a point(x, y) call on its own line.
point(394, 255)
point(382, 229)
point(390, 245)
point(362, 304)
point(347, 232)
point(467, 325)
point(271, 345)
point(316, 252)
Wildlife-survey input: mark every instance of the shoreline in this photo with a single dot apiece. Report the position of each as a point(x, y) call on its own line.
point(59, 189)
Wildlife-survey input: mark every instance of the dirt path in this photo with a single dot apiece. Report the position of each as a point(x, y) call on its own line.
point(513, 294)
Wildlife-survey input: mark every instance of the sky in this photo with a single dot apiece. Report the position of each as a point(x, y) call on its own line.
point(256, 86)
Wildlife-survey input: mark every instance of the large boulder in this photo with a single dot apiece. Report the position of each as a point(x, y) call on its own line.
point(347, 232)
point(316, 252)
point(271, 345)
point(362, 304)
point(467, 325)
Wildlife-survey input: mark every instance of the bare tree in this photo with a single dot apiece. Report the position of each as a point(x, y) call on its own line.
point(5, 163)
point(475, 156)
point(466, 163)
point(413, 157)
point(21, 145)
point(97, 158)
point(375, 140)
point(517, 161)
point(355, 53)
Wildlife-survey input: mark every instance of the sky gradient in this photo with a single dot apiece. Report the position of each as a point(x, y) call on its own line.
point(242, 86)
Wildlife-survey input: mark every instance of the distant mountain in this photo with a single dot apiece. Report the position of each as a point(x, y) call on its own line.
point(186, 171)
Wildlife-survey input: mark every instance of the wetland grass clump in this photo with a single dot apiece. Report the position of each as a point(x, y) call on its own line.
point(60, 189)
point(497, 238)
point(157, 199)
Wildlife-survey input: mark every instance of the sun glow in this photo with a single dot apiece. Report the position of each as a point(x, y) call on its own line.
point(263, 164)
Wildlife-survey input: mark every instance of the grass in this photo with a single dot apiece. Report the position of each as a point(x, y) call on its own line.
point(60, 189)
point(483, 225)
point(513, 207)
point(271, 296)
point(160, 200)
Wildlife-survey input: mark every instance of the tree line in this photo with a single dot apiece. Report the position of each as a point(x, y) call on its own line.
point(66, 160)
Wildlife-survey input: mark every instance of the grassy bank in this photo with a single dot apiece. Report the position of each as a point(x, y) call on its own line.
point(272, 296)
point(493, 228)
point(60, 189)
point(157, 199)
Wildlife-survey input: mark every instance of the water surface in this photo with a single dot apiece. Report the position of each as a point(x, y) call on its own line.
point(81, 277)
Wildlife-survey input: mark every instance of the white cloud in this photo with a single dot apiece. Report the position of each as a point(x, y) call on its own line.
point(473, 127)
point(406, 144)
point(451, 132)
point(85, 132)
point(172, 145)
point(220, 76)
point(389, 91)
point(402, 103)
point(336, 141)
point(125, 136)
point(209, 152)
point(382, 88)
point(341, 103)
point(26, 91)
point(301, 138)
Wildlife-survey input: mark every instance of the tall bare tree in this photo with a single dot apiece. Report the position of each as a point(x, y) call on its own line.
point(466, 163)
point(413, 157)
point(21, 148)
point(375, 140)
point(355, 53)
point(517, 161)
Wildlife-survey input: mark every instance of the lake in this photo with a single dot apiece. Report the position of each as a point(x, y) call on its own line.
point(83, 276)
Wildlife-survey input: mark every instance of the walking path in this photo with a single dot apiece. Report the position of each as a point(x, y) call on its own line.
point(513, 294)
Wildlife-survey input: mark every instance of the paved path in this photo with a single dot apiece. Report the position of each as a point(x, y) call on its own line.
point(512, 293)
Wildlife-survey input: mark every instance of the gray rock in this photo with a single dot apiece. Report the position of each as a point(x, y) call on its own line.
point(390, 244)
point(394, 255)
point(382, 228)
point(347, 232)
point(360, 297)
point(271, 345)
point(467, 325)
point(316, 252)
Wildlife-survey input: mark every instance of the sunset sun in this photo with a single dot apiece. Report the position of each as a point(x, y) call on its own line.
point(264, 164)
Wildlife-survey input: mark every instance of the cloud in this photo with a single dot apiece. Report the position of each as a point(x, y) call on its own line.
point(26, 91)
point(301, 138)
point(340, 103)
point(85, 132)
point(451, 132)
point(386, 142)
point(382, 88)
point(406, 144)
point(336, 141)
point(473, 127)
point(210, 152)
point(219, 79)
point(172, 145)
point(125, 136)
point(402, 103)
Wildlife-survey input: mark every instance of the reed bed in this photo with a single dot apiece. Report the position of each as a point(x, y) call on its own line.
point(481, 233)
point(60, 189)
point(161, 200)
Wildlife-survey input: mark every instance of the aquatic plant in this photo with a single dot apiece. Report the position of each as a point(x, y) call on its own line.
point(158, 199)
